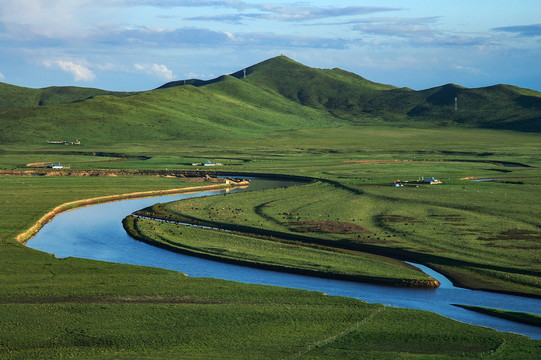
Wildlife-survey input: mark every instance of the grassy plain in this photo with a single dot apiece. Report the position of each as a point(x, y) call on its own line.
point(86, 309)
point(330, 125)
point(458, 228)
point(82, 309)
point(481, 234)
point(522, 317)
point(278, 255)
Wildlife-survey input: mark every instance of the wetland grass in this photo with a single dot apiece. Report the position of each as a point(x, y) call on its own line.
point(82, 309)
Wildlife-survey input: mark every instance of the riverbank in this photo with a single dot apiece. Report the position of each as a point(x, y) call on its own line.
point(28, 234)
point(271, 253)
point(521, 317)
point(203, 317)
point(103, 237)
point(400, 224)
point(189, 175)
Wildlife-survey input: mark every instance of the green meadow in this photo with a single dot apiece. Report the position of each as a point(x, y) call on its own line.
point(280, 255)
point(353, 137)
point(526, 318)
point(458, 228)
point(75, 308)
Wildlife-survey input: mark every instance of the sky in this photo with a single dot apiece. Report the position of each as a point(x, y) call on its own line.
point(133, 45)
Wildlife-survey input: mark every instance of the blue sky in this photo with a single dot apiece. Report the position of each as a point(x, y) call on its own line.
point(141, 44)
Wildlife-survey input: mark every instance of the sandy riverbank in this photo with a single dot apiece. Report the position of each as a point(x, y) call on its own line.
point(28, 234)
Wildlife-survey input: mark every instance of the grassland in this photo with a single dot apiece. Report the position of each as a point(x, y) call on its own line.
point(525, 318)
point(266, 252)
point(12, 97)
point(278, 94)
point(82, 309)
point(482, 234)
point(459, 228)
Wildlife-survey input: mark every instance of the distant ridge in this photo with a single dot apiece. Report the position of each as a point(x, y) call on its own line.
point(348, 95)
point(276, 94)
point(12, 96)
point(193, 82)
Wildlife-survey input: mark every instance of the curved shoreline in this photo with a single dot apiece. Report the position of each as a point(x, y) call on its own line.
point(397, 254)
point(32, 231)
point(426, 284)
point(27, 235)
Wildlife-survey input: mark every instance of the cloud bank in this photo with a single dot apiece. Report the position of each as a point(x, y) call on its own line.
point(80, 72)
point(522, 30)
point(146, 41)
point(159, 71)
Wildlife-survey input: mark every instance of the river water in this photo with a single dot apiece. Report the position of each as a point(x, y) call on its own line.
point(96, 232)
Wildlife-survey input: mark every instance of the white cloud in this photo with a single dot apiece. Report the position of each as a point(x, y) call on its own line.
point(468, 69)
point(229, 35)
point(162, 71)
point(192, 75)
point(157, 70)
point(107, 67)
point(51, 19)
point(298, 12)
point(80, 72)
point(2, 77)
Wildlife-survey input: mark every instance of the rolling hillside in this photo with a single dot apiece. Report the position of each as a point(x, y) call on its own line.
point(276, 94)
point(15, 96)
point(352, 97)
point(178, 113)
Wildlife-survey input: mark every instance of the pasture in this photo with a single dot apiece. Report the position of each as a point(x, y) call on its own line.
point(74, 308)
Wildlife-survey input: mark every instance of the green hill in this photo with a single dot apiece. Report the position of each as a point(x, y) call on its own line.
point(177, 113)
point(16, 97)
point(499, 106)
point(276, 94)
point(349, 96)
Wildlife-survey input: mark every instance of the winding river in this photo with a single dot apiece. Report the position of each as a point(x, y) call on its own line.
point(95, 232)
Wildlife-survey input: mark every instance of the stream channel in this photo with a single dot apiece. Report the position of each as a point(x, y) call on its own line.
point(96, 232)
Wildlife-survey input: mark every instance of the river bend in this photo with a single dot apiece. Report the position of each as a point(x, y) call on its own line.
point(96, 232)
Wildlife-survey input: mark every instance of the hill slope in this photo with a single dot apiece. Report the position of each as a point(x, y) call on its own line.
point(276, 94)
point(178, 113)
point(499, 106)
point(352, 97)
point(16, 97)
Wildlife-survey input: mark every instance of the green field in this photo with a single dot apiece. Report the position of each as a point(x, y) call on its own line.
point(282, 255)
point(80, 309)
point(525, 318)
point(355, 136)
point(478, 245)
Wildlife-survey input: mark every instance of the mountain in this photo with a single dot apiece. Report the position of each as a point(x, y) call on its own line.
point(350, 96)
point(176, 113)
point(276, 94)
point(336, 91)
point(15, 96)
